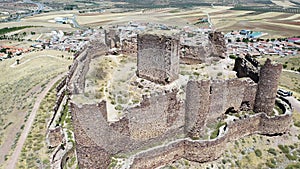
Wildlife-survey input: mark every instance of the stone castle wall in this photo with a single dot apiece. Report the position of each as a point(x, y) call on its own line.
point(111, 38)
point(159, 156)
point(225, 94)
point(244, 68)
point(219, 45)
point(267, 87)
point(206, 101)
point(90, 155)
point(158, 58)
point(208, 150)
point(212, 48)
point(156, 116)
point(129, 46)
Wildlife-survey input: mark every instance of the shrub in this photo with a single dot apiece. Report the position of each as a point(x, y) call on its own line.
point(284, 149)
point(297, 123)
point(196, 73)
point(293, 166)
point(284, 66)
point(232, 56)
point(119, 107)
point(272, 151)
point(270, 164)
point(291, 157)
point(224, 161)
point(258, 153)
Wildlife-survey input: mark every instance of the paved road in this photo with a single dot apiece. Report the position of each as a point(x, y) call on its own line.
point(14, 158)
point(295, 103)
point(292, 71)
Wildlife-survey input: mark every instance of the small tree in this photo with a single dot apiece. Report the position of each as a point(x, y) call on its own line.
point(9, 55)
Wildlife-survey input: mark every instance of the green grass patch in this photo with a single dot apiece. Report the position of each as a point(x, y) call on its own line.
point(215, 133)
point(12, 29)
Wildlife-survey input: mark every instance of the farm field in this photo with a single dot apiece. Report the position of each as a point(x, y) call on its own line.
point(276, 24)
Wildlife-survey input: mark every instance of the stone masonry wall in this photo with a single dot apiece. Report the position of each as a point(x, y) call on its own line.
point(225, 94)
point(158, 58)
point(244, 68)
point(129, 46)
point(249, 93)
point(155, 116)
point(206, 101)
point(211, 49)
point(267, 87)
point(89, 154)
point(208, 150)
point(160, 156)
point(196, 107)
point(218, 41)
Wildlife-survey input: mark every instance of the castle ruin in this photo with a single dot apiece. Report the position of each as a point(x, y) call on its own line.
point(167, 125)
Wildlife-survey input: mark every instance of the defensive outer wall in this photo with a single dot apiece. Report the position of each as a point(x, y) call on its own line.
point(160, 129)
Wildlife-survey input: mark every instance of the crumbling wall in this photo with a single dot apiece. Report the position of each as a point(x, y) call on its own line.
point(196, 107)
point(249, 94)
point(81, 66)
point(156, 116)
point(244, 68)
point(207, 101)
point(129, 46)
point(219, 45)
point(89, 154)
point(195, 54)
point(212, 48)
point(111, 38)
point(224, 95)
point(267, 87)
point(55, 137)
point(158, 58)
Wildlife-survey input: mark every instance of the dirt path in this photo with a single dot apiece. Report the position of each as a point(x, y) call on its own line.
point(28, 60)
point(14, 158)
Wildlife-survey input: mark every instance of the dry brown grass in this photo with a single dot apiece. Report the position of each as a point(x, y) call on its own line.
point(19, 86)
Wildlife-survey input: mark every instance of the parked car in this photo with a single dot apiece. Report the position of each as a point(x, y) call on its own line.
point(284, 93)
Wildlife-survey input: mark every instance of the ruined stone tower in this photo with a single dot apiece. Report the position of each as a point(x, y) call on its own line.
point(267, 87)
point(158, 58)
point(196, 107)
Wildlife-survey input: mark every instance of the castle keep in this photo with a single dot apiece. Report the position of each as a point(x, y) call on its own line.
point(158, 58)
point(168, 125)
